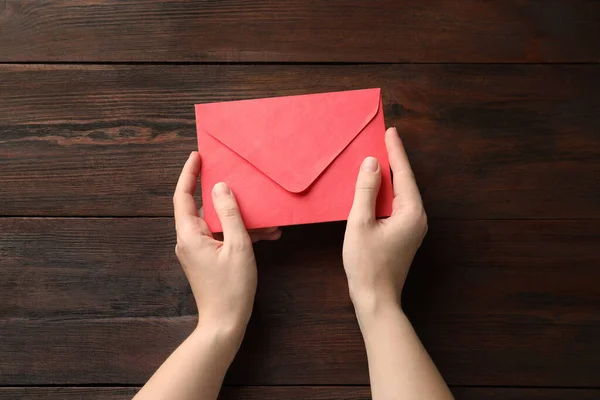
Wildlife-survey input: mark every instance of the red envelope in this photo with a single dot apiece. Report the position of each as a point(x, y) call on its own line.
point(292, 160)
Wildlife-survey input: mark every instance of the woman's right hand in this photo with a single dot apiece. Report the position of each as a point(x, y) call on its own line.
point(377, 254)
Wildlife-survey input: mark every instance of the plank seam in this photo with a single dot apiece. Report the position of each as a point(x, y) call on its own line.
point(284, 63)
point(308, 385)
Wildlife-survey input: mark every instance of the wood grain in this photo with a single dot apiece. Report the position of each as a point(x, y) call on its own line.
point(504, 291)
point(90, 268)
point(486, 141)
point(512, 294)
point(524, 394)
point(363, 393)
point(67, 393)
point(297, 393)
point(300, 30)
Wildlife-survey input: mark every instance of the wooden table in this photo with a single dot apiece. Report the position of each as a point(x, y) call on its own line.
point(498, 103)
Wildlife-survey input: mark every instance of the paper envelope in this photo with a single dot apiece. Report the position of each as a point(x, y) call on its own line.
point(292, 160)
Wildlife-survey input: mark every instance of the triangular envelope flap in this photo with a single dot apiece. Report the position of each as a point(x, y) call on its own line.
point(290, 139)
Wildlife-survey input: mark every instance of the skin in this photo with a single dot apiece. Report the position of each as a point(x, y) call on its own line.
point(377, 255)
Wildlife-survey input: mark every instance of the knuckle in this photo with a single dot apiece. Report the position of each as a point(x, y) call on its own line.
point(185, 240)
point(359, 220)
point(189, 244)
point(241, 243)
point(421, 219)
point(424, 223)
point(227, 211)
point(180, 248)
point(184, 231)
point(415, 209)
point(181, 241)
point(366, 185)
point(397, 203)
point(365, 188)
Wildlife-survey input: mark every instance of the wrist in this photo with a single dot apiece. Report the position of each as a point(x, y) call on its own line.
point(223, 336)
point(372, 306)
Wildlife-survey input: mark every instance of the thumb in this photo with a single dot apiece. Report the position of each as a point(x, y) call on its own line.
point(234, 232)
point(367, 188)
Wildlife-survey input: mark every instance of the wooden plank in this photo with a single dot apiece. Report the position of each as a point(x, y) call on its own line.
point(486, 141)
point(120, 267)
point(90, 268)
point(516, 295)
point(524, 394)
point(298, 349)
point(300, 30)
point(364, 393)
point(67, 393)
point(296, 393)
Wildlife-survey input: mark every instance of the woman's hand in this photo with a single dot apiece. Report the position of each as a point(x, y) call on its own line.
point(377, 253)
point(223, 278)
point(222, 273)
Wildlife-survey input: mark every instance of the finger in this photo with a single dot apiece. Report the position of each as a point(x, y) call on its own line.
point(265, 230)
point(183, 199)
point(234, 231)
point(405, 185)
point(272, 233)
point(258, 236)
point(367, 188)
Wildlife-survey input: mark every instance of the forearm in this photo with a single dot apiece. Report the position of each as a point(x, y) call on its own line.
point(399, 366)
point(195, 370)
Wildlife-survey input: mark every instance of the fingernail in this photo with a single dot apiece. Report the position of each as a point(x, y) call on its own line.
point(221, 189)
point(395, 130)
point(370, 164)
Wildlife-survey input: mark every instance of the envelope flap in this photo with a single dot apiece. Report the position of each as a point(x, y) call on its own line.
point(290, 139)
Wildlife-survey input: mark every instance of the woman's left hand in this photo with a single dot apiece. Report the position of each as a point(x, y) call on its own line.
point(221, 271)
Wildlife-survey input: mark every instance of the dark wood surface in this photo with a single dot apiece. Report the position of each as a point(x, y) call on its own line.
point(497, 141)
point(498, 104)
point(296, 393)
point(104, 300)
point(300, 30)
